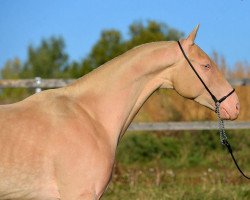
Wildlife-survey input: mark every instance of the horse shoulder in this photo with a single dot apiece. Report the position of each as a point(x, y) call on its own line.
point(84, 159)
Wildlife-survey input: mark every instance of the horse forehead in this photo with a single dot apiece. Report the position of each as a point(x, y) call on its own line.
point(198, 54)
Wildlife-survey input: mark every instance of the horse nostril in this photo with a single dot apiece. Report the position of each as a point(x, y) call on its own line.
point(238, 106)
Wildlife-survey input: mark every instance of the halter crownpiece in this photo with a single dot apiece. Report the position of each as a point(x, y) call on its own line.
point(223, 136)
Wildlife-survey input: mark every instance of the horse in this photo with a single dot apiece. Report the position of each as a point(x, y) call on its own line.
point(61, 143)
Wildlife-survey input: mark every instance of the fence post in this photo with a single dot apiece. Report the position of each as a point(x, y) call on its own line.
point(38, 81)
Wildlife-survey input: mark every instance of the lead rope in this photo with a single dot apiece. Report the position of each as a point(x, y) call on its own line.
point(221, 126)
point(223, 138)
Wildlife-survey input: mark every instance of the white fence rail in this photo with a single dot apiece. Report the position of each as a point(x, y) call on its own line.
point(190, 126)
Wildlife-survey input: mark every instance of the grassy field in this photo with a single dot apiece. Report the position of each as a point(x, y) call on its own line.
point(180, 165)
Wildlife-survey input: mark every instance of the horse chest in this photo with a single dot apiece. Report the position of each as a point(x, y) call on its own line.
point(21, 185)
point(87, 167)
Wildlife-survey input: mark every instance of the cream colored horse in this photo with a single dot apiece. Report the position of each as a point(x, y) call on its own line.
point(61, 143)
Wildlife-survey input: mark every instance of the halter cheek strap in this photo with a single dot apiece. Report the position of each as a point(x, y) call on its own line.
point(223, 136)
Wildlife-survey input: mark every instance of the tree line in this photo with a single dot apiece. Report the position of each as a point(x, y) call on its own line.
point(50, 60)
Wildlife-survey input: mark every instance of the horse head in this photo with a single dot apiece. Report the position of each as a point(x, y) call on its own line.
point(188, 84)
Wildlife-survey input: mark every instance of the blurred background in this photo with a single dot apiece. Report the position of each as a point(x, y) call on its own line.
point(68, 39)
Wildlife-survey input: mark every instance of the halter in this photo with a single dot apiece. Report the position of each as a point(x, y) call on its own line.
point(223, 136)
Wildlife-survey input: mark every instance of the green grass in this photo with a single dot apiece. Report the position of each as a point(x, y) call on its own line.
point(180, 165)
point(179, 185)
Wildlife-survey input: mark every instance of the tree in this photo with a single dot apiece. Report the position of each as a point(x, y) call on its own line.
point(107, 47)
point(47, 60)
point(151, 32)
point(12, 70)
point(112, 44)
point(72, 70)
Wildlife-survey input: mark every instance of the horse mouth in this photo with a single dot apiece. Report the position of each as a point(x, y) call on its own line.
point(224, 114)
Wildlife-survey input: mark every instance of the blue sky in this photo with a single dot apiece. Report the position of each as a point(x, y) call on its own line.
point(224, 24)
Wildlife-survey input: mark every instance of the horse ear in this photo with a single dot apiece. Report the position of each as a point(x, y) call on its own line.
point(192, 35)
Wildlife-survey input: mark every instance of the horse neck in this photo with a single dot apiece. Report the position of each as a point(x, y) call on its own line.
point(114, 93)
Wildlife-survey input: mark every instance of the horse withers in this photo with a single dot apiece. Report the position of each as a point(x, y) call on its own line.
point(61, 143)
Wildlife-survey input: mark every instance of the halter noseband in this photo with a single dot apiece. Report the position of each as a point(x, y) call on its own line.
point(223, 136)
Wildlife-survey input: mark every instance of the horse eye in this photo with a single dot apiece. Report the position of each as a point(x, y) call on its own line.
point(207, 66)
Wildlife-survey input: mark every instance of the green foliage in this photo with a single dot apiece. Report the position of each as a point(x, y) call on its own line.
point(46, 61)
point(107, 47)
point(12, 70)
point(153, 31)
point(180, 165)
point(177, 190)
point(112, 44)
point(184, 149)
point(145, 148)
point(71, 71)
